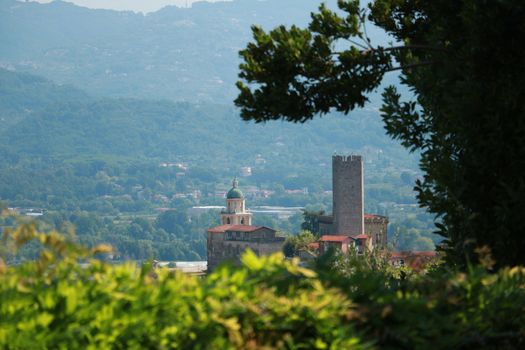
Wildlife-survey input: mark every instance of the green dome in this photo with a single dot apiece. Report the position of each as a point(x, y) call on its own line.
point(234, 193)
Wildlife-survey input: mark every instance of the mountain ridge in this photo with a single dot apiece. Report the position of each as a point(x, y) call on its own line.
point(182, 54)
point(45, 111)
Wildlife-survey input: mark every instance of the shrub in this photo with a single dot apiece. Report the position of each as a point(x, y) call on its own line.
point(56, 302)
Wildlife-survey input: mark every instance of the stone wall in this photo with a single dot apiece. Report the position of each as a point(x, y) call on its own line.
point(376, 227)
point(214, 247)
point(221, 249)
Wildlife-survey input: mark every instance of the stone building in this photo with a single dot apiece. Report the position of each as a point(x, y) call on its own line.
point(342, 243)
point(236, 233)
point(348, 218)
point(360, 243)
point(375, 226)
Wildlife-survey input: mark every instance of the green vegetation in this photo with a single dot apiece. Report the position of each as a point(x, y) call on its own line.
point(461, 61)
point(268, 302)
point(97, 153)
point(96, 163)
point(133, 238)
point(126, 171)
point(294, 245)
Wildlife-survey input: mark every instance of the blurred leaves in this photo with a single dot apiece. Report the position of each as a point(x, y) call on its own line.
point(267, 303)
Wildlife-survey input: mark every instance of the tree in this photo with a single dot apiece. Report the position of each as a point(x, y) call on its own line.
point(54, 302)
point(296, 244)
point(461, 59)
point(172, 221)
point(311, 220)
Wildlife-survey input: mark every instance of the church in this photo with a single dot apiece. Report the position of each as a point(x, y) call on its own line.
point(236, 233)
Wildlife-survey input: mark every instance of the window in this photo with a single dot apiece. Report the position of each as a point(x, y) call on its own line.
point(242, 221)
point(228, 221)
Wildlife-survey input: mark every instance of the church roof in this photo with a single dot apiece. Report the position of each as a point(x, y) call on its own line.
point(234, 193)
point(238, 228)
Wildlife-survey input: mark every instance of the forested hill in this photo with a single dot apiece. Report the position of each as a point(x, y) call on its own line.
point(23, 94)
point(43, 120)
point(182, 54)
point(93, 101)
point(65, 150)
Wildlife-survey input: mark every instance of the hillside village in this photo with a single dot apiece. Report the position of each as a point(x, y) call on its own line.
point(348, 228)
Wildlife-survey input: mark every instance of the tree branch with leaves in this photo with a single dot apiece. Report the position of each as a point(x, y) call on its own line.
point(461, 60)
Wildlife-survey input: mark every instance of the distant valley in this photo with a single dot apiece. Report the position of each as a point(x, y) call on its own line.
point(92, 106)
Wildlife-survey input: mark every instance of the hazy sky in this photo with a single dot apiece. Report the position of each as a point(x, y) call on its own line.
point(133, 5)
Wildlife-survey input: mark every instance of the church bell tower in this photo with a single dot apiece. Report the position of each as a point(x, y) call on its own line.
point(235, 212)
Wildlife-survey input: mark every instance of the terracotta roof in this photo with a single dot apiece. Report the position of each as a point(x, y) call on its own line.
point(361, 236)
point(219, 229)
point(332, 238)
point(246, 228)
point(239, 228)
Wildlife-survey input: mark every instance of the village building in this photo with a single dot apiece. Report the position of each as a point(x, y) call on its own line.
point(375, 227)
point(341, 243)
point(361, 244)
point(236, 233)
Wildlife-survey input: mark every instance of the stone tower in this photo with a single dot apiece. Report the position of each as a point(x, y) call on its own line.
point(235, 212)
point(348, 195)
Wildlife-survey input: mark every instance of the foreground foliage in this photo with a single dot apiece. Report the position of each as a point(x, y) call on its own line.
point(268, 302)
